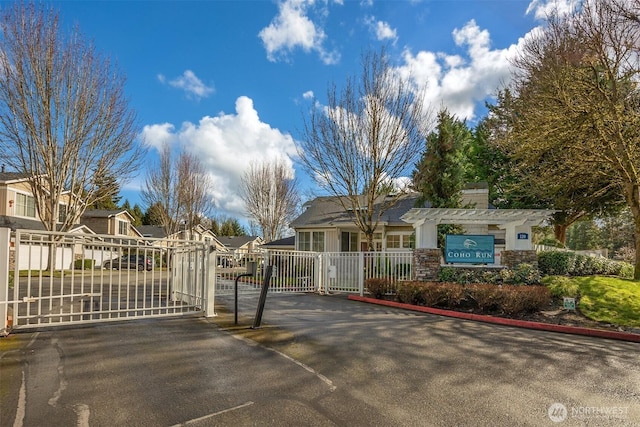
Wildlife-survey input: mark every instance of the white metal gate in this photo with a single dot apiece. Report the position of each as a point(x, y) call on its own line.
point(72, 278)
point(293, 271)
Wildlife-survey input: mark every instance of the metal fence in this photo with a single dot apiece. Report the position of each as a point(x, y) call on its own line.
point(67, 278)
point(349, 271)
point(293, 271)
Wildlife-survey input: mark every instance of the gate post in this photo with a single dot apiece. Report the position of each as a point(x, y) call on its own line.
point(5, 241)
point(210, 284)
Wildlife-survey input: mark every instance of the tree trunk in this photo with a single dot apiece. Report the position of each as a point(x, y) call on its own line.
point(633, 199)
point(560, 232)
point(636, 270)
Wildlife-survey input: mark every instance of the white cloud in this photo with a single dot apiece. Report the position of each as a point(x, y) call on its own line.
point(227, 144)
point(459, 82)
point(156, 136)
point(308, 94)
point(292, 29)
point(381, 29)
point(542, 9)
point(190, 83)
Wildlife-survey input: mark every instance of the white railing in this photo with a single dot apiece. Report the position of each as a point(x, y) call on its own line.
point(66, 278)
point(349, 271)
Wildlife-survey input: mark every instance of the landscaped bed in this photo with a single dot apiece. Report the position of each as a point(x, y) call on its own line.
point(607, 303)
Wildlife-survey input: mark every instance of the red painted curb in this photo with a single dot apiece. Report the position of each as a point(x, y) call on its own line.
point(624, 336)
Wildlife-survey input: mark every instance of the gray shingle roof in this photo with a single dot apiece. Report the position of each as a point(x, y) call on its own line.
point(327, 210)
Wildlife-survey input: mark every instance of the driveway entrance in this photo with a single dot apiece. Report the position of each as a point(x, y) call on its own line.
point(317, 361)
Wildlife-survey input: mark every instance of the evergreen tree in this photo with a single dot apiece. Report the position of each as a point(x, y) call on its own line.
point(153, 216)
point(107, 190)
point(440, 173)
point(137, 214)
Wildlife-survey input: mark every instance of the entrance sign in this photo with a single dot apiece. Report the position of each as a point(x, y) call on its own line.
point(469, 249)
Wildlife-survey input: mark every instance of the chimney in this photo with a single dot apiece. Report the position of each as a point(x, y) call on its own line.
point(475, 195)
point(3, 168)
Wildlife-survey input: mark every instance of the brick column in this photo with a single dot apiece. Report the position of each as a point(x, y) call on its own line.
point(426, 264)
point(512, 259)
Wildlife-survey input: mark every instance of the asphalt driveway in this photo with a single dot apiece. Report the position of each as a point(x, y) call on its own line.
point(317, 360)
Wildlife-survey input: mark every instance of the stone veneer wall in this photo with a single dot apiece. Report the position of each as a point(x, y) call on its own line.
point(512, 259)
point(426, 264)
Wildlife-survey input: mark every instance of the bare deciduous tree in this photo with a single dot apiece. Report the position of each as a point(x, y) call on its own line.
point(178, 191)
point(271, 197)
point(371, 131)
point(64, 116)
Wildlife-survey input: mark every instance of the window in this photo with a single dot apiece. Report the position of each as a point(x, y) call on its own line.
point(397, 241)
point(62, 212)
point(123, 227)
point(393, 241)
point(311, 241)
point(318, 241)
point(349, 242)
point(25, 205)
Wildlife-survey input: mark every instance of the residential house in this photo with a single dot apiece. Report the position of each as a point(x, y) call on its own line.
point(111, 222)
point(285, 244)
point(325, 226)
point(198, 233)
point(240, 245)
point(17, 203)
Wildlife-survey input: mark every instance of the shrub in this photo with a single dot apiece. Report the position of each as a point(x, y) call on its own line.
point(83, 264)
point(445, 295)
point(409, 293)
point(524, 299)
point(523, 274)
point(553, 263)
point(487, 297)
point(377, 288)
point(448, 274)
point(560, 286)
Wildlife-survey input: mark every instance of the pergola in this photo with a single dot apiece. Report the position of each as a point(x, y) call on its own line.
point(517, 223)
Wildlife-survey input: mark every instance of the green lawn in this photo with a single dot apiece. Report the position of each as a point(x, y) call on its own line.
point(609, 299)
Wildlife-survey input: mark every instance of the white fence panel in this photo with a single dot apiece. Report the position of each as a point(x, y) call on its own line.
point(145, 278)
point(348, 271)
point(293, 271)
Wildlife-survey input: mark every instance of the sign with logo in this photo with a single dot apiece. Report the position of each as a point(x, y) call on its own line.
point(468, 249)
point(523, 236)
point(569, 303)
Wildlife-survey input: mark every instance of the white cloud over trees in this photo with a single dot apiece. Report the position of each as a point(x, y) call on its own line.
point(227, 144)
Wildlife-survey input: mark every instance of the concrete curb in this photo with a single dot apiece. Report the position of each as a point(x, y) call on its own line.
point(623, 336)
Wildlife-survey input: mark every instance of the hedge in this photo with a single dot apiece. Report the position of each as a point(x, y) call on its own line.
point(512, 300)
point(83, 264)
point(523, 274)
point(565, 263)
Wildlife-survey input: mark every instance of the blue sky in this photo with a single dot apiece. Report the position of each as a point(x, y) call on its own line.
point(230, 80)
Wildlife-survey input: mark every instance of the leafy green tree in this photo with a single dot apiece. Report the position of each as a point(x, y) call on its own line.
point(579, 104)
point(137, 214)
point(153, 215)
point(439, 175)
point(107, 189)
point(583, 235)
point(226, 227)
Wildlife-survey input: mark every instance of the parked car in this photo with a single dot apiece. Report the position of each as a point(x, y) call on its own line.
point(138, 262)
